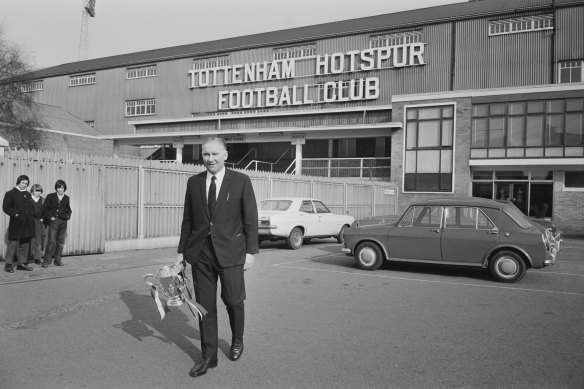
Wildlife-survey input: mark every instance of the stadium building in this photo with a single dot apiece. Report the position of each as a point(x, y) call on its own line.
point(481, 98)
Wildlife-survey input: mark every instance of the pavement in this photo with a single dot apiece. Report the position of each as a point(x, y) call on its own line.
point(313, 320)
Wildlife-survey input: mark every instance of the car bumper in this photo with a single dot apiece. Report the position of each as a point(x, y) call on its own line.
point(346, 251)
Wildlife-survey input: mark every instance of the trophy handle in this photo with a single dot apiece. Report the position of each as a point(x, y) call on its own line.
point(147, 277)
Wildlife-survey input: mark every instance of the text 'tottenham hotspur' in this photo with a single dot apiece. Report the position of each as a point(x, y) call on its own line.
point(330, 92)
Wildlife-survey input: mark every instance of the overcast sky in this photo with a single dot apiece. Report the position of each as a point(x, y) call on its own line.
point(48, 31)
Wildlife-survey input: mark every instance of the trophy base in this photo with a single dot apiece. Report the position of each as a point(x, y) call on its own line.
point(175, 301)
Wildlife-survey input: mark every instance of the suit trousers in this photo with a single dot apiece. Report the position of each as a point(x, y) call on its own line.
point(20, 247)
point(56, 240)
point(206, 272)
point(37, 243)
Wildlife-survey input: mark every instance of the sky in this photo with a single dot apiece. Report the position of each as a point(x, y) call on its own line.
point(48, 31)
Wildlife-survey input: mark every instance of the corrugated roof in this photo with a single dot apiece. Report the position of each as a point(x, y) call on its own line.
point(58, 119)
point(444, 13)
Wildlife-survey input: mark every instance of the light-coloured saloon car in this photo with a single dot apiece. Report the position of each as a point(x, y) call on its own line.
point(457, 231)
point(298, 218)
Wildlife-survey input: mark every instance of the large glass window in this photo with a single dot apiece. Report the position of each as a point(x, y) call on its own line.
point(428, 158)
point(141, 107)
point(571, 71)
point(531, 191)
point(574, 180)
point(541, 123)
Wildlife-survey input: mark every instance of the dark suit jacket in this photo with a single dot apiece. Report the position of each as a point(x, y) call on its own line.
point(53, 208)
point(19, 203)
point(233, 227)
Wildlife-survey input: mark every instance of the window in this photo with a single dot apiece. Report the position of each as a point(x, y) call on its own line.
point(213, 62)
point(303, 51)
point(141, 71)
point(428, 216)
point(91, 123)
point(541, 123)
point(395, 39)
point(429, 146)
point(574, 180)
point(522, 24)
point(466, 217)
point(32, 86)
point(570, 71)
point(306, 206)
point(320, 207)
point(141, 107)
point(82, 79)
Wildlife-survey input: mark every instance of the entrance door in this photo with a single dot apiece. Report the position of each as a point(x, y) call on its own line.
point(513, 191)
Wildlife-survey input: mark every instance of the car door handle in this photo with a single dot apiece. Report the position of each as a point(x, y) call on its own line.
point(435, 230)
point(492, 232)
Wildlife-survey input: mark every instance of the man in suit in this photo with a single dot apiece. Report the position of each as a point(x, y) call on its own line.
point(56, 212)
point(219, 237)
point(18, 205)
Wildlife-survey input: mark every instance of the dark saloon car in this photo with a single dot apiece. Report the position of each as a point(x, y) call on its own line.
point(457, 231)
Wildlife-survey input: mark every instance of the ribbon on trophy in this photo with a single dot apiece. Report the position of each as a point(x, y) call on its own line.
point(170, 281)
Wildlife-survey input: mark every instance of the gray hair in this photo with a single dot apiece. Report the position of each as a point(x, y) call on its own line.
point(221, 141)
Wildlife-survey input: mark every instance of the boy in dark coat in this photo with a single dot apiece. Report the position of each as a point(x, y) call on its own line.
point(18, 205)
point(56, 212)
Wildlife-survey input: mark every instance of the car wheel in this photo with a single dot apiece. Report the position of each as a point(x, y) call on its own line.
point(368, 256)
point(340, 237)
point(295, 238)
point(506, 266)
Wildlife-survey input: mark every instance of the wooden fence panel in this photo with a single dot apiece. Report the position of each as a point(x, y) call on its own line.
point(119, 199)
point(86, 229)
point(121, 202)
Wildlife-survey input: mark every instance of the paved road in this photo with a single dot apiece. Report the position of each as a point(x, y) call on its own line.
point(313, 321)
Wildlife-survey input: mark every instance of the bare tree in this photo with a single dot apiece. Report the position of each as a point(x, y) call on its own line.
point(18, 113)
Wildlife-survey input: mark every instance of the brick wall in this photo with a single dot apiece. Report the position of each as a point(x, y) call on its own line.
point(462, 178)
point(568, 208)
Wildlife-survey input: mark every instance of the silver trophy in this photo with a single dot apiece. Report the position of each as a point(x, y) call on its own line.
point(171, 282)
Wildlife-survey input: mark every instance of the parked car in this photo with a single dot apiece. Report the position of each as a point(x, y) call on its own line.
point(456, 231)
point(297, 218)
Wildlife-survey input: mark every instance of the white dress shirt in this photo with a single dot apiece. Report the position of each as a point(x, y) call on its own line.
point(218, 182)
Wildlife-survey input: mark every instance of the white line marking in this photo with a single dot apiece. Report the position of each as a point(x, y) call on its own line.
point(435, 282)
point(561, 274)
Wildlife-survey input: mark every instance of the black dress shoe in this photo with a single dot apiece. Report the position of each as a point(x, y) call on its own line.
point(46, 264)
point(37, 261)
point(8, 268)
point(201, 368)
point(58, 263)
point(23, 267)
point(236, 349)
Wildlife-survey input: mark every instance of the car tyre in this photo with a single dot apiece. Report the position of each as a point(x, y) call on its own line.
point(340, 237)
point(507, 266)
point(368, 256)
point(294, 240)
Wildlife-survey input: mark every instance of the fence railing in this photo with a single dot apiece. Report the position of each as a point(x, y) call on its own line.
point(126, 202)
point(378, 168)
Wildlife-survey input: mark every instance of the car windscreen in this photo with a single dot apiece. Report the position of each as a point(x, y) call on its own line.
point(275, 205)
point(518, 217)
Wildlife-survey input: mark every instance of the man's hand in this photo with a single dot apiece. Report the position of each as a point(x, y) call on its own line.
point(249, 261)
point(180, 260)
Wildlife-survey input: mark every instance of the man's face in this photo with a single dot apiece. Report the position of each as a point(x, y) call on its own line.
point(214, 156)
point(22, 184)
point(60, 191)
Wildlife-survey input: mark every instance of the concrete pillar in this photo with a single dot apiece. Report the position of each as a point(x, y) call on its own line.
point(179, 153)
point(298, 159)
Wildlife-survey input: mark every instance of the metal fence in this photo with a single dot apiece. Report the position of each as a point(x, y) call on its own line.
point(378, 168)
point(128, 200)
